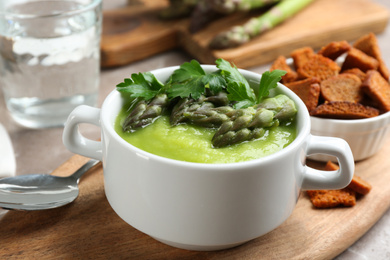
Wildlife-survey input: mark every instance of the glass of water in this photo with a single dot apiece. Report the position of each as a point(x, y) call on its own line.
point(49, 58)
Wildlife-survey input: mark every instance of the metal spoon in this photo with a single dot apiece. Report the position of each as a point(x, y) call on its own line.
point(41, 191)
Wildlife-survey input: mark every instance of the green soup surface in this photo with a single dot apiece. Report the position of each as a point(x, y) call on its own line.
point(193, 143)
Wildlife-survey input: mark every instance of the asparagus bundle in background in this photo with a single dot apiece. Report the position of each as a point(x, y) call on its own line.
point(239, 35)
point(231, 6)
point(178, 9)
point(203, 12)
point(207, 11)
point(222, 100)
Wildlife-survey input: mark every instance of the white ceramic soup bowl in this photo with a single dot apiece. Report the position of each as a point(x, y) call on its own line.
point(201, 206)
point(365, 136)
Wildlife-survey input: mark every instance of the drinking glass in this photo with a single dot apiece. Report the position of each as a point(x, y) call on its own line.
point(49, 58)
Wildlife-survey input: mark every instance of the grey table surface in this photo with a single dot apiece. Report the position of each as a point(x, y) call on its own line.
point(41, 151)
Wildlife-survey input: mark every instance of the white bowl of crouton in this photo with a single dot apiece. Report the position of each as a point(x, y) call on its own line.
point(346, 90)
point(365, 136)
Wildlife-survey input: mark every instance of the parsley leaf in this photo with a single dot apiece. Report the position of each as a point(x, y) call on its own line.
point(191, 80)
point(193, 88)
point(143, 85)
point(232, 75)
point(269, 80)
point(215, 82)
point(187, 71)
point(237, 91)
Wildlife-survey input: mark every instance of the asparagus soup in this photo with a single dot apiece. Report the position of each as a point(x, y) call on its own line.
point(192, 143)
point(215, 117)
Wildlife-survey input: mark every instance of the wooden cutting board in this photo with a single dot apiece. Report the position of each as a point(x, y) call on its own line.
point(89, 229)
point(135, 32)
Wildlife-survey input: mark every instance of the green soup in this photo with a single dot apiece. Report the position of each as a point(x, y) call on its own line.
point(193, 144)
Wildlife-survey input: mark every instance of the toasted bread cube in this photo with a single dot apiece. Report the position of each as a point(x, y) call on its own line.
point(301, 56)
point(308, 90)
point(358, 59)
point(344, 110)
point(369, 45)
point(334, 50)
point(331, 166)
point(357, 72)
point(343, 87)
point(378, 89)
point(357, 184)
point(318, 66)
point(281, 64)
point(332, 198)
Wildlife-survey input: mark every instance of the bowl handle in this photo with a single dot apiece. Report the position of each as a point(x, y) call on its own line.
point(316, 179)
point(74, 140)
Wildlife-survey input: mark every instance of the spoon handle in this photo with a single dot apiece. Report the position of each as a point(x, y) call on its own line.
point(83, 169)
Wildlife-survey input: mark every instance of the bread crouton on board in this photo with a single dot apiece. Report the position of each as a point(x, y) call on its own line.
point(344, 197)
point(357, 184)
point(332, 198)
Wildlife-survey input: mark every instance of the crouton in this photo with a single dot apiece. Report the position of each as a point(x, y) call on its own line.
point(332, 198)
point(357, 72)
point(344, 110)
point(378, 89)
point(357, 184)
point(318, 66)
point(358, 59)
point(331, 166)
point(343, 87)
point(369, 45)
point(281, 64)
point(334, 50)
point(308, 90)
point(300, 56)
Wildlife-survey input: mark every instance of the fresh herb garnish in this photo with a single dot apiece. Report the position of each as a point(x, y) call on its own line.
point(238, 87)
point(141, 85)
point(191, 80)
point(268, 81)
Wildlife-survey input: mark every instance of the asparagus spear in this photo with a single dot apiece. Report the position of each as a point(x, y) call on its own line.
point(244, 125)
point(282, 106)
point(249, 123)
point(230, 6)
point(186, 107)
point(208, 117)
point(241, 34)
point(144, 113)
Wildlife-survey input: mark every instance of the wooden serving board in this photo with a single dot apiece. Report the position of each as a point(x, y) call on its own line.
point(135, 32)
point(89, 229)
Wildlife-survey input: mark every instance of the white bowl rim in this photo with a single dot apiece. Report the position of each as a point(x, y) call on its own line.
point(381, 117)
